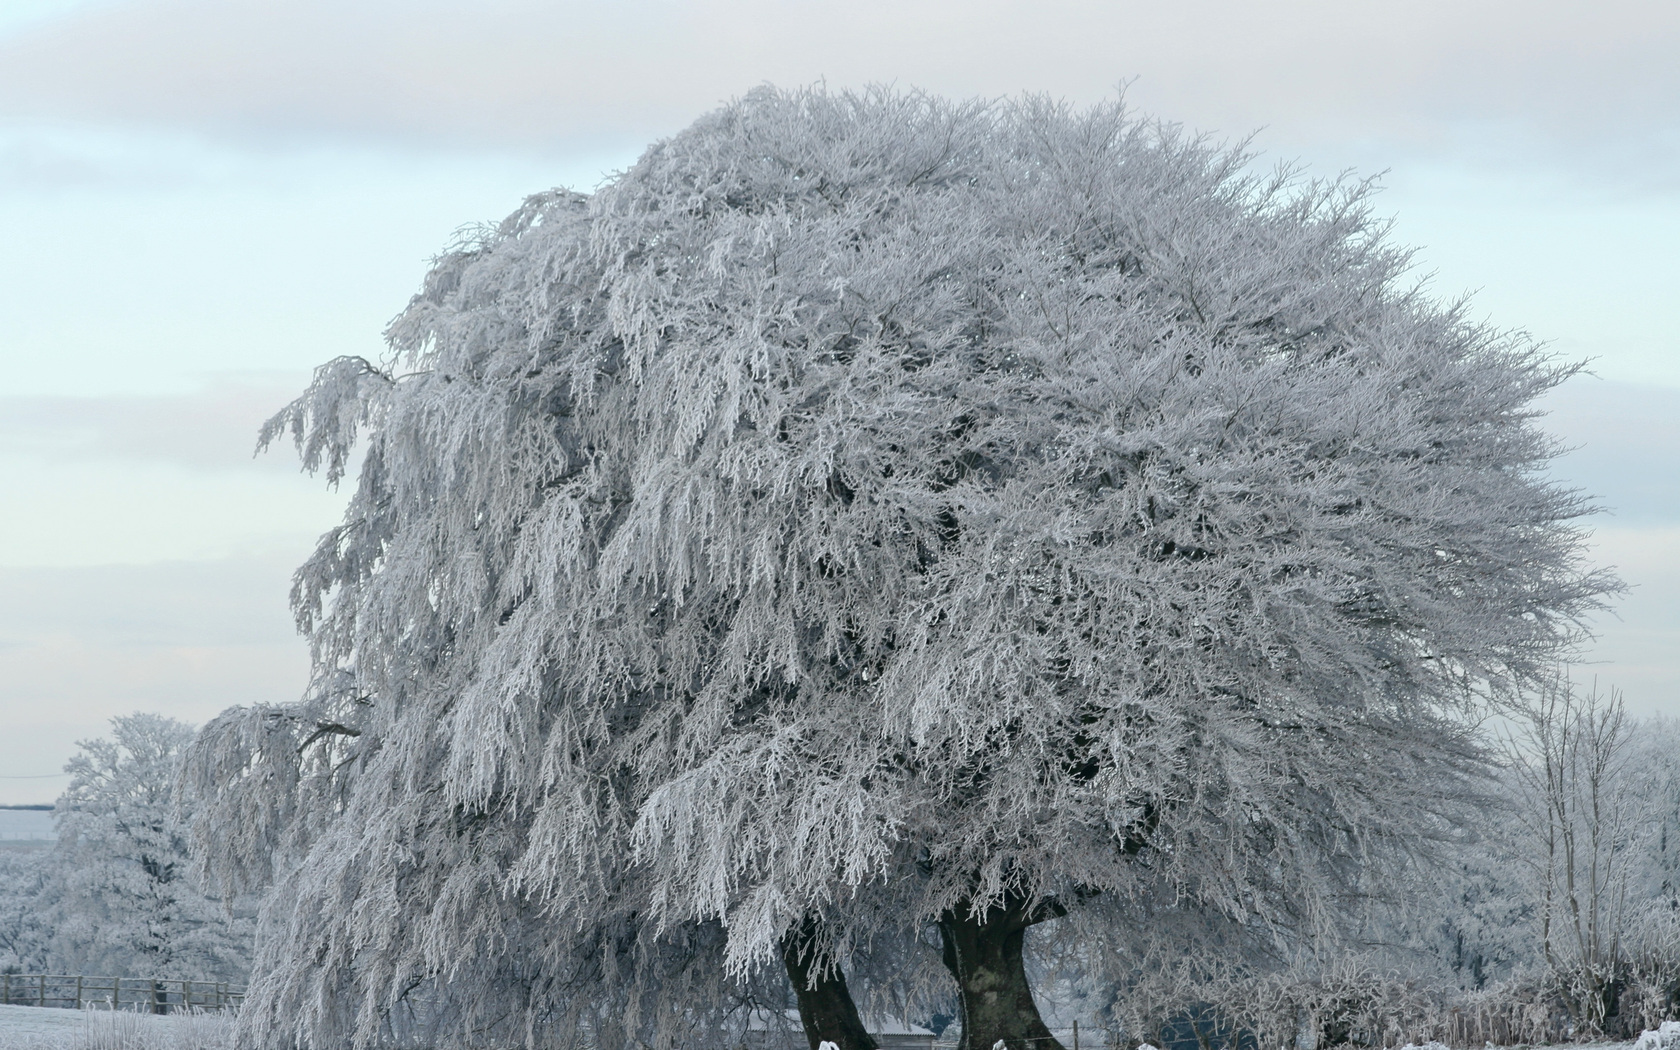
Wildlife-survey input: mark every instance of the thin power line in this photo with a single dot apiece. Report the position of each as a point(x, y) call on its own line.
point(36, 776)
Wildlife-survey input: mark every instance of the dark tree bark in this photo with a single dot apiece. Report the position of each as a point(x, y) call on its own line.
point(825, 1003)
point(983, 953)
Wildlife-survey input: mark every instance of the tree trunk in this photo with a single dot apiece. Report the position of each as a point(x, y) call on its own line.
point(983, 953)
point(825, 1003)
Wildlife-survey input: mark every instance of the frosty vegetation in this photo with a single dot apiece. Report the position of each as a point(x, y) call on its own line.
point(868, 531)
point(114, 896)
point(1555, 918)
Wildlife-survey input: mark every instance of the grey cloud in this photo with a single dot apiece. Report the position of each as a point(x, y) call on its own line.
point(186, 639)
point(33, 162)
point(1625, 440)
point(1433, 72)
point(233, 602)
point(213, 428)
point(1637, 640)
point(37, 157)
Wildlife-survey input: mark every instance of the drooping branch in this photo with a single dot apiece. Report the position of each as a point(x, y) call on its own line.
point(327, 729)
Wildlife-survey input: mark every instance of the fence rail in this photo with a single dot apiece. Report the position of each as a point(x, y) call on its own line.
point(159, 996)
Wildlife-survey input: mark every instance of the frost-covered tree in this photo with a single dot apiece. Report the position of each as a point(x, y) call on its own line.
point(117, 891)
point(1653, 770)
point(1570, 763)
point(870, 515)
point(1596, 804)
point(22, 931)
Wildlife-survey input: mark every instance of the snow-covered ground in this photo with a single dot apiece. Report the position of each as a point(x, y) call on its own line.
point(46, 1028)
point(27, 826)
point(17, 1022)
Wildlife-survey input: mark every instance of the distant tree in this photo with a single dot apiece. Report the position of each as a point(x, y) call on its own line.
point(119, 897)
point(1653, 776)
point(1597, 803)
point(22, 931)
point(1653, 770)
point(1484, 916)
point(871, 515)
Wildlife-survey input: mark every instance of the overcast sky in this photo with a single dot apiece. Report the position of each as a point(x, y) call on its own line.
point(200, 200)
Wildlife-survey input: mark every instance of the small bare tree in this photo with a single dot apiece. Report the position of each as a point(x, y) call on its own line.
point(1570, 761)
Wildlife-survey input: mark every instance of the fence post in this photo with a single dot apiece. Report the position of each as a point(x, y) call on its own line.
point(41, 990)
point(8, 989)
point(78, 991)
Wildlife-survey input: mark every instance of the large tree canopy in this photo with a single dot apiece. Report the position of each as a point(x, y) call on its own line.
point(866, 514)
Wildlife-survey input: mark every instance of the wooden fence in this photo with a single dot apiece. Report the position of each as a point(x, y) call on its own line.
point(142, 993)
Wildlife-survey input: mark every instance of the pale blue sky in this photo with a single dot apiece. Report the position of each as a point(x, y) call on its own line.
point(202, 199)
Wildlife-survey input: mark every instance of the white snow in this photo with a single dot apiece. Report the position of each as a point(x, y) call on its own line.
point(50, 1028)
point(39, 1028)
point(27, 825)
point(38, 1021)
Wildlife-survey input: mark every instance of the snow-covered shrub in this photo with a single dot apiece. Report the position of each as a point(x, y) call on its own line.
point(1665, 1036)
point(116, 1030)
point(136, 1030)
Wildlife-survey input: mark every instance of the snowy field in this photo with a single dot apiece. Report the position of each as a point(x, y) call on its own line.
point(27, 826)
point(46, 1028)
